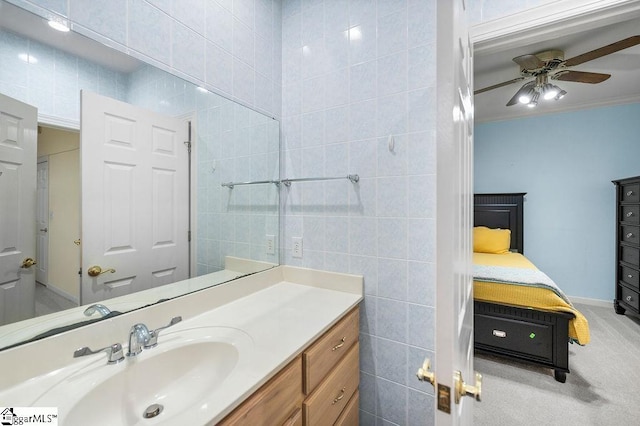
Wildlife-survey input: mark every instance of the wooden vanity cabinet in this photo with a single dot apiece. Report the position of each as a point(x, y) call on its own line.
point(319, 387)
point(278, 402)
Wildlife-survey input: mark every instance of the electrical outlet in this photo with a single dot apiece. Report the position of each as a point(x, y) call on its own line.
point(271, 244)
point(297, 247)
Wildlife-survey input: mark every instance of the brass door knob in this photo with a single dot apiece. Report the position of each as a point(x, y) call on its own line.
point(463, 389)
point(95, 271)
point(28, 263)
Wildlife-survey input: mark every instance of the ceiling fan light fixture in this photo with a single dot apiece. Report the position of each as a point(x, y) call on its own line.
point(560, 95)
point(534, 100)
point(525, 94)
point(550, 91)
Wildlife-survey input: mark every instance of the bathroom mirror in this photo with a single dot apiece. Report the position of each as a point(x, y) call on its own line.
point(231, 231)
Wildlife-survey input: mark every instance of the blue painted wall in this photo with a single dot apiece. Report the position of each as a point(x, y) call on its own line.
point(565, 163)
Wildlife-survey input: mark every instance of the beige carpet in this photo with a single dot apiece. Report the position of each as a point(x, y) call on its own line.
point(603, 387)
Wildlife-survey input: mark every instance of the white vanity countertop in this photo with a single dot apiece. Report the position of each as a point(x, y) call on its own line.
point(283, 310)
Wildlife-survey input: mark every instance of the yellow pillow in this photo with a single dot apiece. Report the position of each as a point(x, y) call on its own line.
point(488, 240)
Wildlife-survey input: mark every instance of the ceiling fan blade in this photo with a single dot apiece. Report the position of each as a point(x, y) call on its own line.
point(581, 77)
point(604, 50)
point(495, 86)
point(528, 62)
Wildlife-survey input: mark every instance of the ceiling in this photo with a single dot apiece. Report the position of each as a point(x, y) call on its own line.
point(496, 67)
point(27, 24)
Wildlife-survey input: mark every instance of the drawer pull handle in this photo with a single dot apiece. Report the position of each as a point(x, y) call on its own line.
point(499, 333)
point(629, 299)
point(629, 193)
point(629, 276)
point(629, 235)
point(339, 345)
point(629, 214)
point(339, 397)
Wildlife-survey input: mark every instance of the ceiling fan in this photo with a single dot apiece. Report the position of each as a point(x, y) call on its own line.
point(541, 67)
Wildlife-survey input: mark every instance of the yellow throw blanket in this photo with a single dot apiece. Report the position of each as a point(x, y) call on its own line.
point(526, 296)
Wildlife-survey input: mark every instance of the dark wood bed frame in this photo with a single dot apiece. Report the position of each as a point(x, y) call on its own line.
point(534, 336)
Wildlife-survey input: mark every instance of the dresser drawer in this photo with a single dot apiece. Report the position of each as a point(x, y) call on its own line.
point(328, 400)
point(630, 214)
point(630, 234)
point(630, 255)
point(630, 193)
point(630, 297)
point(630, 276)
point(323, 355)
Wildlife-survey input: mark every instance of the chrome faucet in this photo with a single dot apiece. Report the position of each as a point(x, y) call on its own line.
point(141, 337)
point(114, 353)
point(138, 337)
point(99, 308)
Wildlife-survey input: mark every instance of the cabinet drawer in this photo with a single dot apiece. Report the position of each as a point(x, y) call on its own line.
point(351, 414)
point(630, 297)
point(630, 255)
point(326, 403)
point(630, 234)
point(273, 403)
point(630, 214)
point(630, 276)
point(329, 349)
point(518, 336)
point(630, 193)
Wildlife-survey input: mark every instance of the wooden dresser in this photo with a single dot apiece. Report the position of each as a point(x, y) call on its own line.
point(319, 387)
point(627, 284)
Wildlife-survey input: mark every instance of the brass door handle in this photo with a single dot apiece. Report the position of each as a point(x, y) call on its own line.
point(28, 263)
point(462, 389)
point(95, 271)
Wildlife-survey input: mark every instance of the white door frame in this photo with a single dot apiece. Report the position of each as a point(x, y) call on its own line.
point(42, 234)
point(549, 21)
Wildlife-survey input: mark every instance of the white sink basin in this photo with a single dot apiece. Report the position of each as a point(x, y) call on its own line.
point(187, 368)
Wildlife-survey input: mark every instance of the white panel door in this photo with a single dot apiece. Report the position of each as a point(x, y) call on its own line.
point(135, 205)
point(18, 147)
point(42, 221)
point(454, 313)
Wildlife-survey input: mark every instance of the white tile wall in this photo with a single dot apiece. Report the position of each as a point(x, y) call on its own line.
point(53, 83)
point(230, 47)
point(354, 73)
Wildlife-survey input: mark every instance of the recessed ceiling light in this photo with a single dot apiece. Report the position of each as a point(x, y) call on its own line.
point(58, 25)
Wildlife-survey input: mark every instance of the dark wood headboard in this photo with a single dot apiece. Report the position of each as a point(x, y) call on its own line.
point(504, 211)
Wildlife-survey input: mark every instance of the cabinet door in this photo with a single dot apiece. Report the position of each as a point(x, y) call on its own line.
point(273, 403)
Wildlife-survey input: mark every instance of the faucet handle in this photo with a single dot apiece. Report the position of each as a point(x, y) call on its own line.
point(98, 307)
point(153, 335)
point(114, 353)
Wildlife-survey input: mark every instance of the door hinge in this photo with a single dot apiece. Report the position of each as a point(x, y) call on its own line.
point(188, 235)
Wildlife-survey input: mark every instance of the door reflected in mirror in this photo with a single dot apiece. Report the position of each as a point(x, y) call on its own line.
point(224, 233)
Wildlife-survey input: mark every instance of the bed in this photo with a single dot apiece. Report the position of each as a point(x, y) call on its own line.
point(522, 322)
